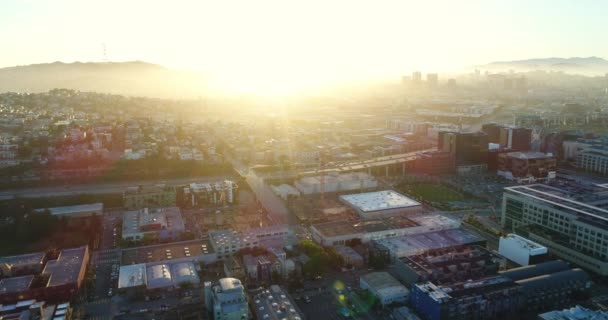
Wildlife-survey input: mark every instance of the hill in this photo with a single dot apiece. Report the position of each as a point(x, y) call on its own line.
point(133, 78)
point(590, 66)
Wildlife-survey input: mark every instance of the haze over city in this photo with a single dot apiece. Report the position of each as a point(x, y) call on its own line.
point(321, 160)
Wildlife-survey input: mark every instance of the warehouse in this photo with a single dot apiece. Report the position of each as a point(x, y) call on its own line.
point(384, 287)
point(380, 204)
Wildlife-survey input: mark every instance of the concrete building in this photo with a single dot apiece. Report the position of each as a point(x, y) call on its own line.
point(575, 313)
point(521, 250)
point(336, 182)
point(227, 300)
point(149, 197)
point(59, 280)
point(592, 156)
point(413, 244)
point(341, 232)
point(384, 287)
point(350, 256)
point(515, 138)
point(275, 303)
point(186, 251)
point(571, 229)
point(442, 266)
point(227, 242)
point(217, 193)
point(527, 166)
point(380, 204)
point(163, 223)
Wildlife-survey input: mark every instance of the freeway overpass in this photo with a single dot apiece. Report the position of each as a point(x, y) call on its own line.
point(396, 163)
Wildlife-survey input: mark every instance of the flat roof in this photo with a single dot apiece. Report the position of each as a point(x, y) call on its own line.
point(275, 303)
point(418, 243)
point(529, 155)
point(230, 284)
point(165, 252)
point(158, 276)
point(70, 210)
point(132, 276)
point(23, 259)
point(384, 284)
point(523, 242)
point(379, 200)
point(66, 269)
point(15, 284)
point(338, 228)
point(560, 198)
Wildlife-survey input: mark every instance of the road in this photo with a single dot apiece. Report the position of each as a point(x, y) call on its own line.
point(103, 188)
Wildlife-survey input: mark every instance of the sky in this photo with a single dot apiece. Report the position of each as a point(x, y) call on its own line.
point(278, 44)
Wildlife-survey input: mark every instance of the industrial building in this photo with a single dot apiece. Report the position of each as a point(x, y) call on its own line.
point(527, 289)
point(413, 244)
point(275, 303)
point(571, 229)
point(194, 251)
point(340, 232)
point(77, 211)
point(527, 167)
point(380, 204)
point(163, 223)
point(60, 278)
point(384, 287)
point(217, 193)
point(226, 300)
point(156, 196)
point(336, 182)
point(157, 275)
point(521, 250)
point(442, 266)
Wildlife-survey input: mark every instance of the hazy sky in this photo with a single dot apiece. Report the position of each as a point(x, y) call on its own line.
point(299, 42)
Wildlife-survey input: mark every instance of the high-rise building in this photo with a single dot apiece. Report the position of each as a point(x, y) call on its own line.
point(573, 225)
point(416, 77)
point(432, 79)
point(515, 138)
point(227, 300)
point(527, 166)
point(592, 155)
point(493, 132)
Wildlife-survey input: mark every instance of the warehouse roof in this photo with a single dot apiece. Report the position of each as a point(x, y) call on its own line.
point(15, 284)
point(132, 276)
point(379, 200)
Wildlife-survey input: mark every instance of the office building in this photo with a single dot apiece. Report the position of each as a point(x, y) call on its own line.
point(416, 77)
point(592, 156)
point(572, 225)
point(384, 287)
point(140, 197)
point(507, 295)
point(163, 223)
point(435, 163)
point(466, 147)
point(226, 300)
point(341, 232)
point(521, 250)
point(493, 132)
point(443, 266)
point(275, 303)
point(527, 166)
point(432, 80)
point(380, 204)
point(515, 138)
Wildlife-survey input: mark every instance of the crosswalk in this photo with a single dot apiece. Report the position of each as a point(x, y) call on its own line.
point(100, 301)
point(106, 257)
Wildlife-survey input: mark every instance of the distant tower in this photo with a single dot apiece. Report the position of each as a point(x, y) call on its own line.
point(104, 52)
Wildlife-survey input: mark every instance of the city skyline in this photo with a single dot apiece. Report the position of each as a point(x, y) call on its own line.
point(275, 46)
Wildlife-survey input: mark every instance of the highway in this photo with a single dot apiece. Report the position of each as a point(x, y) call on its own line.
point(102, 188)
